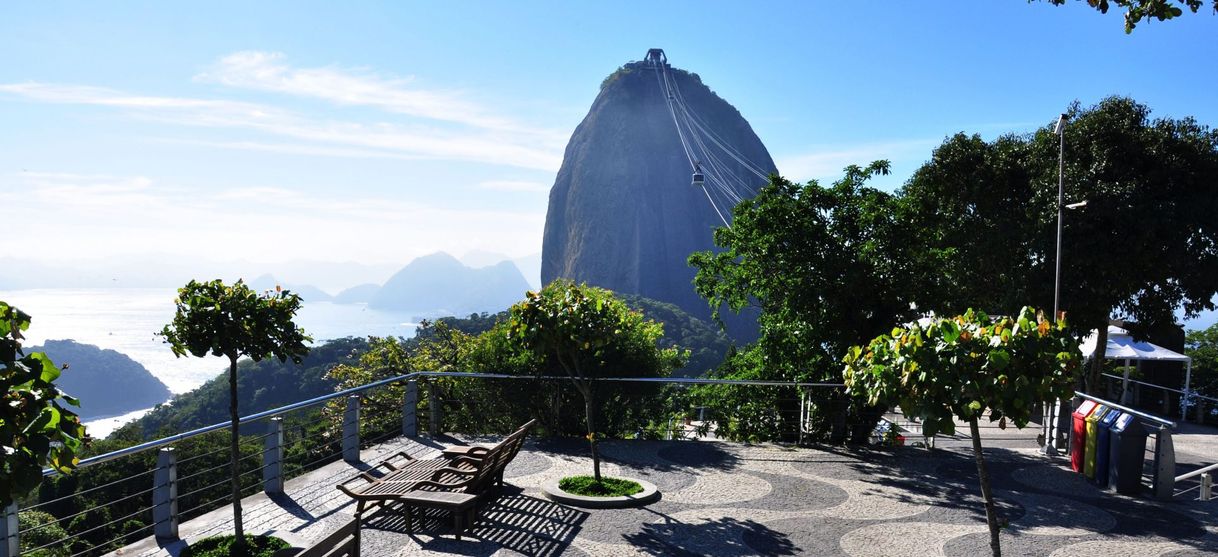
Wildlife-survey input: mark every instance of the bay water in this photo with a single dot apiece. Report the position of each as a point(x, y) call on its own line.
point(127, 320)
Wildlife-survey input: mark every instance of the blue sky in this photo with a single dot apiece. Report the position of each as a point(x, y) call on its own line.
point(383, 131)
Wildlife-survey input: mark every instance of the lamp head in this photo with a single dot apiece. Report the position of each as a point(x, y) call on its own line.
point(1061, 124)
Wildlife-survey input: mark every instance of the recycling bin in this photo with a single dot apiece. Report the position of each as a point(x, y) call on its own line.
point(1078, 434)
point(1093, 439)
point(1126, 454)
point(1102, 450)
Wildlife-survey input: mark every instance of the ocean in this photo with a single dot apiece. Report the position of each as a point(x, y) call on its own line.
point(127, 320)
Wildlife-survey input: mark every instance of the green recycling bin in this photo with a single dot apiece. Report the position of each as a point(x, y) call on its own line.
point(1093, 440)
point(1126, 454)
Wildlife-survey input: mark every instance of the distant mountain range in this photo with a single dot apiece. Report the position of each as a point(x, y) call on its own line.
point(433, 284)
point(439, 282)
point(108, 383)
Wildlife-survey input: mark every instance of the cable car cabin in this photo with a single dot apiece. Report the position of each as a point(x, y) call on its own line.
point(698, 179)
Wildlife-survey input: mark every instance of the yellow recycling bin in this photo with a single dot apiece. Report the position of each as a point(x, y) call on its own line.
point(1093, 440)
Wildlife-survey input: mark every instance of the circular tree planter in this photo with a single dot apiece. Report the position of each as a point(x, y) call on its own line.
point(650, 494)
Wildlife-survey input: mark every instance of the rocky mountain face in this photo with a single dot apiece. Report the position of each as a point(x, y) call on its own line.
point(108, 383)
point(439, 283)
point(623, 214)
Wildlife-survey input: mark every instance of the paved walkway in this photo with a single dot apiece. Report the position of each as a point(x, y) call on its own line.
point(732, 499)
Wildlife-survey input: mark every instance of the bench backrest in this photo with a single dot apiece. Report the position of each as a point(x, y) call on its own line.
point(497, 459)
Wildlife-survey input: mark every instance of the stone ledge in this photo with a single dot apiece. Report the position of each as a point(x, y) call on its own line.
point(650, 494)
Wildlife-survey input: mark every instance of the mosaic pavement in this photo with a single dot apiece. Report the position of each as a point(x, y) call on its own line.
point(731, 499)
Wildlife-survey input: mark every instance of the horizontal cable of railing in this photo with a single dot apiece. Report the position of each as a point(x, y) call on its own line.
point(165, 441)
point(1160, 387)
point(1126, 409)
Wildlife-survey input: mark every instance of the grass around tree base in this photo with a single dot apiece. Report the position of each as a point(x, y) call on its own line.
point(608, 487)
point(219, 546)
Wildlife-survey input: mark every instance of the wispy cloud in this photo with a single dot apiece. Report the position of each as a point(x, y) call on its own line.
point(105, 214)
point(268, 71)
point(514, 186)
point(417, 141)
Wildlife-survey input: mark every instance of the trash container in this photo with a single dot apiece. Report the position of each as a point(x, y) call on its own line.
point(1126, 454)
point(1078, 434)
point(1093, 439)
point(1102, 456)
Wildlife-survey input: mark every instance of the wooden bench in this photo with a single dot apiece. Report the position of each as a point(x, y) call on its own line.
point(343, 542)
point(454, 484)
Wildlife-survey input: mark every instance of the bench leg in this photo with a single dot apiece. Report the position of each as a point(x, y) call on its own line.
point(409, 519)
point(457, 524)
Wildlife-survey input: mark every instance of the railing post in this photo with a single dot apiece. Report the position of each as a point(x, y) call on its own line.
point(410, 407)
point(165, 495)
point(1207, 486)
point(433, 407)
point(272, 457)
point(8, 531)
point(1165, 464)
point(351, 430)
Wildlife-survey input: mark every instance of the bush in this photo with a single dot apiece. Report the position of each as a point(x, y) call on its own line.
point(219, 546)
point(607, 487)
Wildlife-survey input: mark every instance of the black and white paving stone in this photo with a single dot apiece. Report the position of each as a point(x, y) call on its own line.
point(732, 499)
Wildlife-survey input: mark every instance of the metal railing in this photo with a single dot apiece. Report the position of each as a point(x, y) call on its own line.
point(1191, 399)
point(284, 443)
point(281, 443)
point(1206, 480)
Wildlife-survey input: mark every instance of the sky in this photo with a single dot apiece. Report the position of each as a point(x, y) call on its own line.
point(378, 132)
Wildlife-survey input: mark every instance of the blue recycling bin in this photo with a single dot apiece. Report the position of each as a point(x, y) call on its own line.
point(1126, 454)
point(1102, 456)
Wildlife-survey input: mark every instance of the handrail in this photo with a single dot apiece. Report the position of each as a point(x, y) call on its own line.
point(157, 443)
point(1197, 472)
point(1191, 392)
point(1127, 410)
point(678, 380)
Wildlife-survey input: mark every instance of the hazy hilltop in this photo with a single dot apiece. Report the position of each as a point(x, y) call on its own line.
point(529, 265)
point(308, 293)
point(107, 383)
point(622, 213)
point(440, 283)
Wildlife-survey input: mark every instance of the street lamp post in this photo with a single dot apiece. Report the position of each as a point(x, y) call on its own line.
point(1052, 410)
point(1060, 130)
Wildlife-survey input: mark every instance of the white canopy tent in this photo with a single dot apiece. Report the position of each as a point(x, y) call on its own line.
point(1122, 346)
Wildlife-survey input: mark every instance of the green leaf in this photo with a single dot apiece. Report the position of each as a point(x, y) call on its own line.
point(999, 359)
point(47, 369)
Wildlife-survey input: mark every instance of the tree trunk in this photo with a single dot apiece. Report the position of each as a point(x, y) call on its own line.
point(235, 455)
point(596, 457)
point(1097, 360)
point(991, 514)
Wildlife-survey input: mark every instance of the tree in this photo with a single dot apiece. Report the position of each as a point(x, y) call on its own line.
point(1137, 10)
point(36, 431)
point(826, 265)
point(235, 322)
point(590, 334)
point(1202, 347)
point(962, 367)
point(1141, 248)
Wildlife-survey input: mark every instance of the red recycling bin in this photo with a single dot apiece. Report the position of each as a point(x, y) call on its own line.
point(1078, 434)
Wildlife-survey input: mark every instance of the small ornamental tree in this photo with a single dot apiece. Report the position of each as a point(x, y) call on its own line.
point(36, 431)
point(589, 334)
point(234, 321)
point(943, 369)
